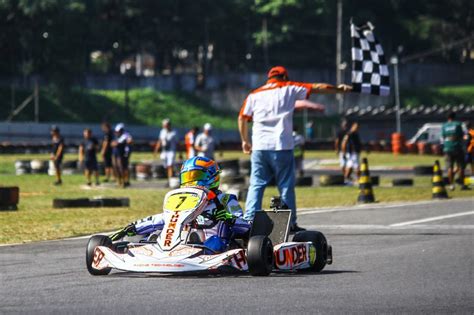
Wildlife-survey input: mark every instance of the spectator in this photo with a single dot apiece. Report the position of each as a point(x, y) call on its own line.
point(57, 152)
point(298, 151)
point(88, 155)
point(106, 150)
point(452, 138)
point(271, 107)
point(309, 128)
point(351, 147)
point(122, 150)
point(205, 144)
point(167, 143)
point(189, 142)
point(470, 146)
point(337, 145)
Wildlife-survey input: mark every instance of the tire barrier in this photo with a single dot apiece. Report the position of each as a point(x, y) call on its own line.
point(234, 180)
point(143, 171)
point(229, 167)
point(366, 194)
point(421, 170)
point(402, 182)
point(158, 171)
point(91, 203)
point(304, 181)
point(438, 190)
point(9, 198)
point(70, 167)
point(39, 167)
point(331, 180)
point(245, 167)
point(375, 180)
point(22, 167)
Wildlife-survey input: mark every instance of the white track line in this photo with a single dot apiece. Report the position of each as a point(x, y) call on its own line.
point(388, 227)
point(441, 217)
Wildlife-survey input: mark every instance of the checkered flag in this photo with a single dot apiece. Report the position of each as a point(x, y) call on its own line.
point(369, 69)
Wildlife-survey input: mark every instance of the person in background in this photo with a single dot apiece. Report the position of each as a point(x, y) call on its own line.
point(106, 150)
point(298, 151)
point(338, 143)
point(189, 142)
point(452, 139)
point(88, 154)
point(469, 137)
point(167, 143)
point(122, 150)
point(309, 128)
point(57, 152)
point(205, 143)
point(351, 147)
point(270, 108)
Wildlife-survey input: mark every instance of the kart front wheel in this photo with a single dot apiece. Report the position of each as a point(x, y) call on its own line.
point(94, 241)
point(320, 243)
point(260, 255)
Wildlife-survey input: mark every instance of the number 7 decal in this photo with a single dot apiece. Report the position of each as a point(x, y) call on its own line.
point(182, 201)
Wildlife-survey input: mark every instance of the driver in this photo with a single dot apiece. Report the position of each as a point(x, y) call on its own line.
point(224, 208)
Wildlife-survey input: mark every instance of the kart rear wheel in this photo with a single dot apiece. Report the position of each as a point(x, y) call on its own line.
point(260, 255)
point(94, 241)
point(320, 243)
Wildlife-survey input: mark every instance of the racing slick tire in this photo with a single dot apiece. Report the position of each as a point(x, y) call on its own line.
point(260, 255)
point(423, 170)
point(94, 241)
point(304, 181)
point(331, 180)
point(320, 243)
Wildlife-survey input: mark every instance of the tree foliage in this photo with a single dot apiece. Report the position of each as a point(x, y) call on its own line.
point(55, 38)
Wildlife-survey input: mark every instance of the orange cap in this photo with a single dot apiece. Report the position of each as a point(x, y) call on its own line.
point(278, 70)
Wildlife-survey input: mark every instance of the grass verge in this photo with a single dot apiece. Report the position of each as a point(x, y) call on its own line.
point(36, 219)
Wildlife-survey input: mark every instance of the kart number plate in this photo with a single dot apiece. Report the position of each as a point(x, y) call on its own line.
point(182, 202)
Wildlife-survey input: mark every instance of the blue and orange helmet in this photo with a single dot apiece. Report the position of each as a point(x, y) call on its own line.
point(200, 171)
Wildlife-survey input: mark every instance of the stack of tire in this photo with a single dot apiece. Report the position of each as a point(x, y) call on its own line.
point(22, 167)
point(143, 171)
point(158, 171)
point(39, 167)
point(70, 167)
point(231, 179)
point(91, 203)
point(9, 198)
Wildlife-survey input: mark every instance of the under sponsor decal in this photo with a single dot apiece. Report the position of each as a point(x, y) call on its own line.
point(170, 229)
point(292, 256)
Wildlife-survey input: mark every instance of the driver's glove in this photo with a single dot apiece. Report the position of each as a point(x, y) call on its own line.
point(223, 215)
point(130, 230)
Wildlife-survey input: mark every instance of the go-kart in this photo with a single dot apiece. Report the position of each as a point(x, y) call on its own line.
point(175, 249)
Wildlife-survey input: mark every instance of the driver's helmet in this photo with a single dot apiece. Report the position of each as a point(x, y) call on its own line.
point(200, 171)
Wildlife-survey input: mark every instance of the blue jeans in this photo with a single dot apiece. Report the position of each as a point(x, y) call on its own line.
point(266, 165)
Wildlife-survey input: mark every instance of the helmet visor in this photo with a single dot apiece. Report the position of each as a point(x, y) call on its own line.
point(193, 176)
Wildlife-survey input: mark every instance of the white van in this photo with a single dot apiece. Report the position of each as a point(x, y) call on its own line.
point(430, 133)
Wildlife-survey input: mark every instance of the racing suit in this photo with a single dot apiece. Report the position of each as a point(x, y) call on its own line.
point(239, 226)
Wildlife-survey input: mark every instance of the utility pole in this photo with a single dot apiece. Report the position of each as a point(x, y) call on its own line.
point(394, 62)
point(339, 97)
point(265, 43)
point(36, 100)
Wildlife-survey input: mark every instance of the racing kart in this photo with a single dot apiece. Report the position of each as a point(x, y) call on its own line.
point(176, 249)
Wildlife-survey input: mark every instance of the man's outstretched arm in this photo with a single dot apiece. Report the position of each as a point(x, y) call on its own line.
point(244, 135)
point(324, 88)
point(305, 104)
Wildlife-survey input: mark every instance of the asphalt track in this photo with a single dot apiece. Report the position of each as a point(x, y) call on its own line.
point(412, 258)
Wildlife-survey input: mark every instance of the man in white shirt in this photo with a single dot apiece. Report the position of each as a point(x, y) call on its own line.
point(270, 108)
point(205, 144)
point(167, 142)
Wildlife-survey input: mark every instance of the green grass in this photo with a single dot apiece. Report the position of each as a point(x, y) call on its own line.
point(37, 220)
point(438, 95)
point(146, 107)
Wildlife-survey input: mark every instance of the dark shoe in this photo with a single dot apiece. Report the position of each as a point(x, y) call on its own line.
point(295, 228)
point(127, 184)
point(464, 187)
point(106, 180)
point(89, 184)
point(97, 183)
point(58, 182)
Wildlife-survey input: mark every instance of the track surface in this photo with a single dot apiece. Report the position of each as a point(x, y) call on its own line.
point(425, 267)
